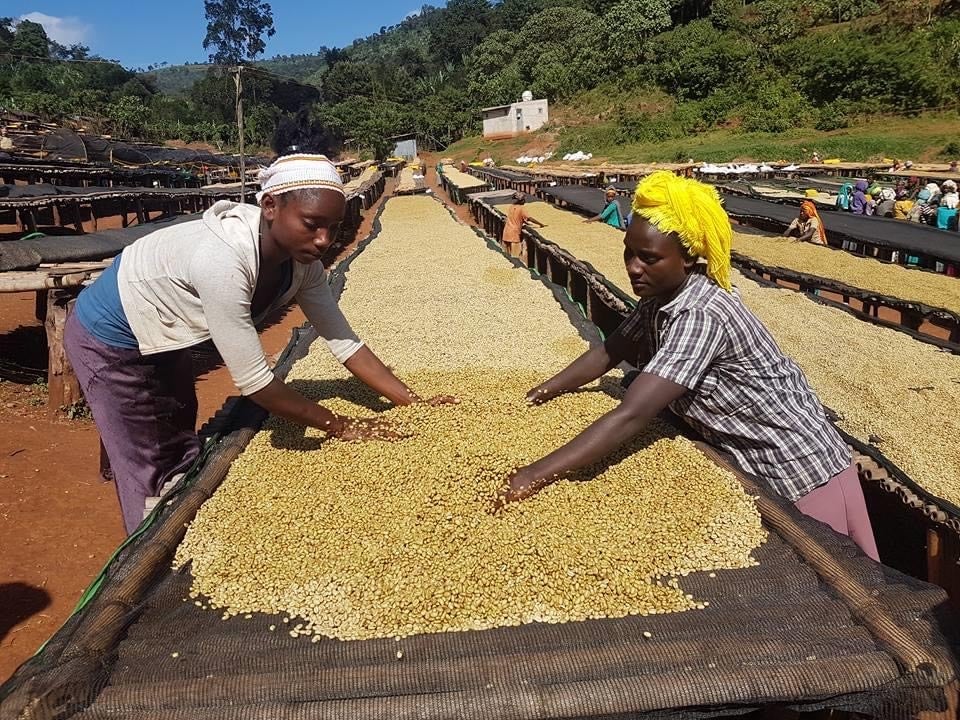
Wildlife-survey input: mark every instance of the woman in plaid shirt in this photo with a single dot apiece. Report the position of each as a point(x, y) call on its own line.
point(704, 355)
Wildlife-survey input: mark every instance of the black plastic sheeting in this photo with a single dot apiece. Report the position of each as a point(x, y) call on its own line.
point(896, 234)
point(886, 232)
point(586, 199)
point(510, 175)
point(43, 190)
point(67, 145)
point(505, 197)
point(27, 254)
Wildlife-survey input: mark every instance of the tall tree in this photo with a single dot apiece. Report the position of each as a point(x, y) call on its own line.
point(458, 28)
point(6, 33)
point(236, 28)
point(30, 40)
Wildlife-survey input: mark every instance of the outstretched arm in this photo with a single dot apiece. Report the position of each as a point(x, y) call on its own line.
point(588, 367)
point(283, 401)
point(647, 396)
point(370, 369)
point(594, 363)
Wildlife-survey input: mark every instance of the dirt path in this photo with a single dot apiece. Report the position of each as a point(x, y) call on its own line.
point(59, 523)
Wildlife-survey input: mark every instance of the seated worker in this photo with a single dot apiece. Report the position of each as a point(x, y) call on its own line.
point(704, 355)
point(861, 202)
point(215, 278)
point(928, 201)
point(807, 226)
point(517, 216)
point(611, 211)
point(950, 198)
point(886, 200)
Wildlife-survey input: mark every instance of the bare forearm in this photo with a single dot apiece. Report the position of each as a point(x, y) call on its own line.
point(283, 401)
point(370, 369)
point(596, 442)
point(585, 369)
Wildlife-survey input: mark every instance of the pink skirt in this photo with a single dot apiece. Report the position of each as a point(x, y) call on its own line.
point(840, 504)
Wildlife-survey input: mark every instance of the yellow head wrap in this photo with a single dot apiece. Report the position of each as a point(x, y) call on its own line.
point(692, 210)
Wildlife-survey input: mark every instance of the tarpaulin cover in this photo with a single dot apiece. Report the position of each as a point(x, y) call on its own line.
point(510, 175)
point(26, 254)
point(45, 190)
point(586, 199)
point(886, 232)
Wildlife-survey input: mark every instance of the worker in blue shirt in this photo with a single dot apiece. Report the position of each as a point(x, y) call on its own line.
point(611, 212)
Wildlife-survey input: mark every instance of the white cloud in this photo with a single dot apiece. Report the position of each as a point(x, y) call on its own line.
point(412, 13)
point(64, 30)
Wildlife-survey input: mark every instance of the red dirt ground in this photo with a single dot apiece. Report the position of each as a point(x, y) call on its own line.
point(59, 523)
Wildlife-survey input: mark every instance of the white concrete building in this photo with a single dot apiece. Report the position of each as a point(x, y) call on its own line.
point(515, 119)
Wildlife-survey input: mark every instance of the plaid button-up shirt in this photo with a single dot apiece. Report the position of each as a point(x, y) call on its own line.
point(745, 396)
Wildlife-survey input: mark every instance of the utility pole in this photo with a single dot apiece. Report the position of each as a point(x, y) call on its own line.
point(238, 81)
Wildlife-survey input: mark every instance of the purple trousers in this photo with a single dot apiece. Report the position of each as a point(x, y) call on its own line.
point(840, 505)
point(145, 408)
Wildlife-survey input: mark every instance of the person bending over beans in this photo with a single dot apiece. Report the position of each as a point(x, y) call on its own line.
point(215, 278)
point(704, 355)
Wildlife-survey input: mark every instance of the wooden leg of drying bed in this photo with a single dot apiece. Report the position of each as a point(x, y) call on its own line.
point(77, 218)
point(62, 386)
point(934, 559)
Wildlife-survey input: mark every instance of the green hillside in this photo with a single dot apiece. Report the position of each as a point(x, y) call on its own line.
point(177, 80)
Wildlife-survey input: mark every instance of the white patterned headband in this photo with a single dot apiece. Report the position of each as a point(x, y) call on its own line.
point(299, 172)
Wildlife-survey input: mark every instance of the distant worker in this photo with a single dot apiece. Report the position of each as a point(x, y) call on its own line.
point(844, 196)
point(886, 201)
point(861, 204)
point(807, 226)
point(950, 198)
point(215, 278)
point(949, 202)
point(517, 216)
point(703, 354)
point(611, 212)
point(928, 201)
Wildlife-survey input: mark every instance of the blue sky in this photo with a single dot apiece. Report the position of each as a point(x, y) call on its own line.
point(139, 33)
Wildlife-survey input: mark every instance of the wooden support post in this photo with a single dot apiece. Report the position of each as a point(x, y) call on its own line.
point(77, 218)
point(141, 216)
point(62, 385)
point(934, 560)
point(40, 307)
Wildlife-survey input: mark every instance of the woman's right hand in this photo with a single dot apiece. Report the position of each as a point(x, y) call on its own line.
point(541, 394)
point(357, 429)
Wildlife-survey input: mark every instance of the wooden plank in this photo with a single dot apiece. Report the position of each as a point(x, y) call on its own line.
point(62, 384)
point(48, 279)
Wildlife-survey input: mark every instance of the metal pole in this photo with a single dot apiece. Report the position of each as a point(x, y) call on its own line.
point(238, 80)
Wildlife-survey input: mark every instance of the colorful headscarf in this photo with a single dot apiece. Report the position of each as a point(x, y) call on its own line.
point(299, 172)
point(692, 210)
point(811, 210)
